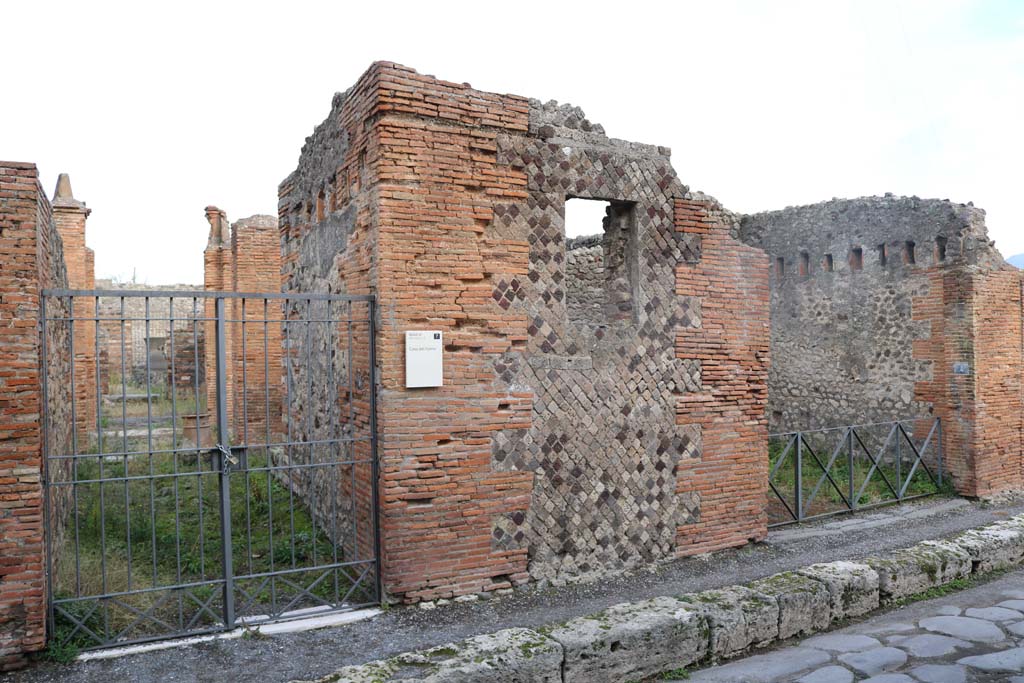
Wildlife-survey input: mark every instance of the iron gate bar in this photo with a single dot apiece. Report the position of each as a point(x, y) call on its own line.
point(825, 473)
point(917, 458)
point(874, 464)
point(128, 461)
point(848, 436)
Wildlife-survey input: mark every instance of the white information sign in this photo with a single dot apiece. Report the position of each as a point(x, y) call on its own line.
point(423, 364)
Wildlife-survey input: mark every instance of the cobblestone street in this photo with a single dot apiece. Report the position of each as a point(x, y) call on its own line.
point(973, 636)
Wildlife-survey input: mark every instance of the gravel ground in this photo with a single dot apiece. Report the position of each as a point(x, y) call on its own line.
point(316, 653)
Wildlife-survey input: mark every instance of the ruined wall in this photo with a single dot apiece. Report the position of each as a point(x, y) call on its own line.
point(845, 278)
point(123, 333)
point(566, 440)
point(32, 257)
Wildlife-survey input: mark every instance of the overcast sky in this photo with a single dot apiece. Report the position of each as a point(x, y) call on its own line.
point(158, 109)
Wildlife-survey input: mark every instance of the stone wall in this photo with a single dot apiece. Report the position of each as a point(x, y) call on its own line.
point(32, 257)
point(566, 441)
point(845, 276)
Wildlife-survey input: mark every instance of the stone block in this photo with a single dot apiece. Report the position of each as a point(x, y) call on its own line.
point(738, 618)
point(804, 603)
point(632, 641)
point(994, 547)
point(852, 587)
point(515, 655)
point(914, 570)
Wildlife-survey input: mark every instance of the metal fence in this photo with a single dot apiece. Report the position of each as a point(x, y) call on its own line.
point(225, 474)
point(824, 472)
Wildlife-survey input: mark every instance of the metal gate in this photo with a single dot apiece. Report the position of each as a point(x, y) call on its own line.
point(824, 472)
point(210, 460)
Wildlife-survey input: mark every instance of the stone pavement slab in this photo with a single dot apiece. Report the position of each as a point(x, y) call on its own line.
point(828, 674)
point(764, 668)
point(842, 642)
point(1006, 660)
point(977, 630)
point(929, 644)
point(876, 660)
point(940, 673)
point(968, 637)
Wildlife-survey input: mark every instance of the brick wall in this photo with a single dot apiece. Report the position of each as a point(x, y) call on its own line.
point(727, 482)
point(246, 258)
point(31, 253)
point(556, 449)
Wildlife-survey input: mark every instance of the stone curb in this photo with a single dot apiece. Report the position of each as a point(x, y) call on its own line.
point(635, 641)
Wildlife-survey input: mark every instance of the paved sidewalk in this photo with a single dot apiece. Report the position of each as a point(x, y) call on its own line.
point(973, 636)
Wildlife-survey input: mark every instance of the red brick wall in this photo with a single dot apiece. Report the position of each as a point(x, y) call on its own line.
point(439, 177)
point(998, 409)
point(31, 254)
point(732, 344)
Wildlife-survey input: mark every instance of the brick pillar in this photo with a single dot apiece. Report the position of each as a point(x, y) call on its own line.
point(975, 351)
point(217, 277)
point(30, 254)
point(70, 216)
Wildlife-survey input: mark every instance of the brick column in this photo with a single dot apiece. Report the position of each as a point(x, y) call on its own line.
point(975, 350)
point(70, 216)
point(256, 262)
point(217, 276)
